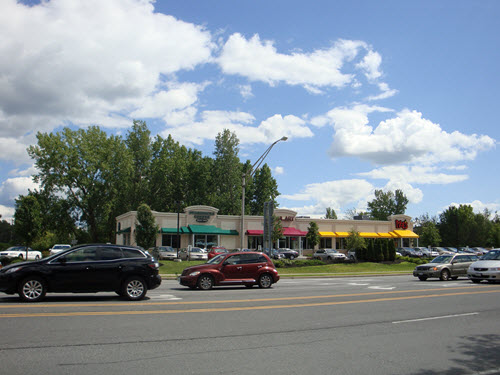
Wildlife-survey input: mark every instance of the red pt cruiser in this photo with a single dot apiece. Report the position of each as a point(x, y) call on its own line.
point(242, 268)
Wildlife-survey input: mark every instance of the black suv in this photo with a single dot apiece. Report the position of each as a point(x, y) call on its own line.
point(126, 270)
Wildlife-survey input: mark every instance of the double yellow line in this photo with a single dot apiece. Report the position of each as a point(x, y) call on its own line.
point(238, 308)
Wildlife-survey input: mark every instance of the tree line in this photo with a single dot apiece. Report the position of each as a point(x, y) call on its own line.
point(88, 178)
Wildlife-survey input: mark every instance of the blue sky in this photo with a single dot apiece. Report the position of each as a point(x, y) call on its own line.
point(372, 95)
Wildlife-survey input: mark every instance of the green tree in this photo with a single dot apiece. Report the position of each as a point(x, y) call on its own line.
point(28, 219)
point(227, 173)
point(313, 238)
point(277, 230)
point(429, 235)
point(264, 189)
point(456, 225)
point(138, 143)
point(330, 213)
point(355, 242)
point(89, 169)
point(146, 228)
point(386, 204)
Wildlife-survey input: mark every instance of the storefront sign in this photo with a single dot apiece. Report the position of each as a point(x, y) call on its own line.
point(201, 217)
point(401, 224)
point(287, 218)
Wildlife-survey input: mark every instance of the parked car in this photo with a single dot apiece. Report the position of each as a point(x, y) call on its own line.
point(20, 252)
point(241, 268)
point(441, 250)
point(164, 252)
point(329, 255)
point(193, 253)
point(216, 250)
point(126, 270)
point(488, 268)
point(429, 253)
point(445, 266)
point(289, 253)
point(57, 248)
point(275, 254)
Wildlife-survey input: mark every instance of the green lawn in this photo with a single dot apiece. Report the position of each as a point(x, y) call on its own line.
point(175, 268)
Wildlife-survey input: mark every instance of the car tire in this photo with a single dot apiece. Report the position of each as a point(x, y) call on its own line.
point(422, 278)
point(445, 275)
point(329, 259)
point(205, 282)
point(265, 281)
point(20, 256)
point(37, 257)
point(32, 289)
point(292, 257)
point(134, 288)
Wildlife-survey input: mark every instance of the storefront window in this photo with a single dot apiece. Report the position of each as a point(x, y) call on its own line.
point(207, 241)
point(326, 243)
point(170, 240)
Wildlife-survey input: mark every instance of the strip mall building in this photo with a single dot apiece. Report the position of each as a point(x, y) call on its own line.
point(203, 226)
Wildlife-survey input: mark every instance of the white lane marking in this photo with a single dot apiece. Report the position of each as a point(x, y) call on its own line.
point(358, 284)
point(169, 297)
point(382, 287)
point(434, 318)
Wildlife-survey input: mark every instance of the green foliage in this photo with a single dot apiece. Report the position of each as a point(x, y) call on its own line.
point(330, 213)
point(313, 238)
point(355, 241)
point(146, 228)
point(277, 229)
point(6, 231)
point(28, 219)
point(287, 263)
point(456, 225)
point(264, 189)
point(386, 204)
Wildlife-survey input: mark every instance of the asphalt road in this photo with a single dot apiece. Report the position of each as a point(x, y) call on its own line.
point(371, 325)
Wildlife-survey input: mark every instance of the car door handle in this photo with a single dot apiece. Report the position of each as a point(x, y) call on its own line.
point(89, 268)
point(239, 268)
point(259, 266)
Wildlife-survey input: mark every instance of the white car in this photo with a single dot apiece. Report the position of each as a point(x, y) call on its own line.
point(57, 248)
point(488, 268)
point(329, 254)
point(195, 253)
point(20, 252)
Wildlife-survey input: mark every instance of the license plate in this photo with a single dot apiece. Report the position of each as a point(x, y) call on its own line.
point(420, 273)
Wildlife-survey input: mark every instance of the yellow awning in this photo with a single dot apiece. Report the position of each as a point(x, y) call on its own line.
point(327, 234)
point(368, 234)
point(342, 234)
point(387, 235)
point(406, 234)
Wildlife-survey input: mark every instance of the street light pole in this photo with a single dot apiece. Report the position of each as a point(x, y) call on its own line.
point(250, 173)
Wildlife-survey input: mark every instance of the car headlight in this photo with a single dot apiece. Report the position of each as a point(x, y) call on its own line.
point(12, 270)
point(195, 273)
point(434, 268)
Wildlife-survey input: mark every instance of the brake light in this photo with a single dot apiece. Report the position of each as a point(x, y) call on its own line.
point(154, 266)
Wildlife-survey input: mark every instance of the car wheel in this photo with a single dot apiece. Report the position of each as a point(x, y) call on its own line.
point(422, 278)
point(37, 257)
point(134, 288)
point(20, 256)
point(205, 282)
point(32, 289)
point(445, 275)
point(265, 281)
point(292, 257)
point(329, 258)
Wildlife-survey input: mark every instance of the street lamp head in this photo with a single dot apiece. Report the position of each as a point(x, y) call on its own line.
point(283, 138)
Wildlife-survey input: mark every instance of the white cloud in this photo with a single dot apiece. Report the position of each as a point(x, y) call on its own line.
point(11, 188)
point(71, 64)
point(405, 138)
point(7, 212)
point(214, 122)
point(279, 171)
point(371, 65)
point(260, 61)
point(414, 174)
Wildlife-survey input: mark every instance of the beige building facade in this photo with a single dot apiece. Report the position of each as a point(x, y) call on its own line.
point(202, 226)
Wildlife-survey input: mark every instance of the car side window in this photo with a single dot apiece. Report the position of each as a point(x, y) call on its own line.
point(249, 258)
point(108, 253)
point(235, 259)
point(132, 253)
point(85, 254)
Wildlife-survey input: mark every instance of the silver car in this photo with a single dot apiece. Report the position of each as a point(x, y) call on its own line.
point(193, 253)
point(488, 268)
point(328, 254)
point(445, 267)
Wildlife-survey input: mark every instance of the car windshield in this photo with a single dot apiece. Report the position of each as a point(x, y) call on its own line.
point(331, 251)
point(216, 259)
point(196, 250)
point(15, 248)
point(492, 255)
point(442, 259)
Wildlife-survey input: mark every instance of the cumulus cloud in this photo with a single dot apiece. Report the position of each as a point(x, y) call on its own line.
point(404, 138)
point(260, 61)
point(419, 174)
point(70, 64)
point(241, 123)
point(279, 170)
point(11, 188)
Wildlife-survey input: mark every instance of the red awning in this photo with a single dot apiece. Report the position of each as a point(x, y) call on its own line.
point(255, 232)
point(293, 232)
